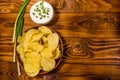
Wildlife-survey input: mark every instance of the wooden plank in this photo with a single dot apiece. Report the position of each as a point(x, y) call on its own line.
point(13, 6)
point(92, 50)
point(71, 24)
point(8, 70)
point(90, 33)
point(10, 6)
point(88, 72)
point(87, 35)
point(79, 50)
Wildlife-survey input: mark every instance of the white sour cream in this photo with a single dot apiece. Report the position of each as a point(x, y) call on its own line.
point(36, 15)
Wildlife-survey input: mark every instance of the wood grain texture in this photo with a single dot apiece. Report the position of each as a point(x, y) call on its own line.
point(90, 31)
point(65, 71)
point(72, 24)
point(12, 6)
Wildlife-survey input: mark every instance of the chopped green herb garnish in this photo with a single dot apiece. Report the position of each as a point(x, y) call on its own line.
point(39, 14)
point(42, 11)
point(44, 16)
point(33, 13)
point(42, 7)
point(47, 13)
point(39, 10)
point(36, 5)
point(40, 17)
point(35, 10)
point(48, 10)
point(36, 16)
point(41, 3)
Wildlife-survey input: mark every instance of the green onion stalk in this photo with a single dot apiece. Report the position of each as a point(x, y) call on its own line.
point(19, 25)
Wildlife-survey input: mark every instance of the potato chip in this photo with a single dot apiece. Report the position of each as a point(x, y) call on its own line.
point(32, 64)
point(32, 69)
point(35, 46)
point(21, 38)
point(19, 49)
point(53, 40)
point(46, 52)
point(29, 34)
point(21, 52)
point(44, 39)
point(45, 30)
point(33, 60)
point(32, 74)
point(25, 46)
point(32, 55)
point(56, 53)
point(36, 37)
point(47, 64)
point(22, 57)
point(39, 48)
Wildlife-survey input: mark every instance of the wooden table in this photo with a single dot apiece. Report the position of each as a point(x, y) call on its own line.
point(90, 31)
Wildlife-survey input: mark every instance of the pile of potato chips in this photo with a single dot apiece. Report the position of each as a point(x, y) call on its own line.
point(38, 49)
